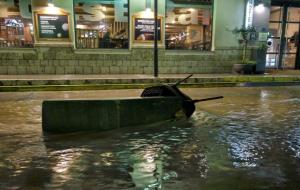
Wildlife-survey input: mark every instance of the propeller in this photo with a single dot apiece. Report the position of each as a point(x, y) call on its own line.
point(207, 99)
point(182, 80)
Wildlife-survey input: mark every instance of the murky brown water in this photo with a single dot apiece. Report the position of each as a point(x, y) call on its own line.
point(249, 140)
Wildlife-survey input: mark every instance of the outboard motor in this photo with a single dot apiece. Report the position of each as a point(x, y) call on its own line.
point(165, 90)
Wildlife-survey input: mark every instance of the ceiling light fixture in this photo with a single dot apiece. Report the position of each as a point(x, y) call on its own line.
point(260, 8)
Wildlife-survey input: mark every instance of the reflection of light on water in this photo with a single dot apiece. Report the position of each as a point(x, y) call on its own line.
point(145, 167)
point(146, 170)
point(65, 158)
point(290, 100)
point(107, 158)
point(294, 142)
point(66, 164)
point(265, 113)
point(22, 158)
point(149, 157)
point(242, 153)
point(244, 146)
point(264, 94)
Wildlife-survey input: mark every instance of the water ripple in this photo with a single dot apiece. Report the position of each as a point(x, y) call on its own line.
point(247, 139)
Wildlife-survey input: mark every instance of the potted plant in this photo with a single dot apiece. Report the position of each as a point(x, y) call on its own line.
point(261, 58)
point(244, 34)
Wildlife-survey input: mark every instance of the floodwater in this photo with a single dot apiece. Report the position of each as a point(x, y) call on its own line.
point(248, 140)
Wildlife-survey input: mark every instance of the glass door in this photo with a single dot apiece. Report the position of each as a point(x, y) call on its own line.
point(291, 38)
point(275, 29)
point(283, 39)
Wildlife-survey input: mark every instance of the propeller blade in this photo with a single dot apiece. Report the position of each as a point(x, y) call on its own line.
point(182, 80)
point(207, 99)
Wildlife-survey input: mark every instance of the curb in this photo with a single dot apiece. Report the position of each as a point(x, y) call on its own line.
point(26, 88)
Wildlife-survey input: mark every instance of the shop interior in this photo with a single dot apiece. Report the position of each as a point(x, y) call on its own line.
point(290, 37)
point(101, 24)
point(16, 29)
point(104, 24)
point(188, 25)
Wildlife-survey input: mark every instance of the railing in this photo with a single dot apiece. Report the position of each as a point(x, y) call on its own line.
point(197, 45)
point(87, 38)
point(16, 43)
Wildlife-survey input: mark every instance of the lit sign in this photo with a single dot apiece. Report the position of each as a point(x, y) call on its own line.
point(53, 26)
point(249, 13)
point(144, 29)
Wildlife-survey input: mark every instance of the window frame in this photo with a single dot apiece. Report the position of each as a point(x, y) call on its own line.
point(76, 32)
point(211, 32)
point(32, 46)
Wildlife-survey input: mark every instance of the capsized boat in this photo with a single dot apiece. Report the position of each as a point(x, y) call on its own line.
point(156, 104)
point(167, 90)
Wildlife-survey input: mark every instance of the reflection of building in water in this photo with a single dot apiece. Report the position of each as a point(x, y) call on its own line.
point(16, 28)
point(188, 26)
point(102, 24)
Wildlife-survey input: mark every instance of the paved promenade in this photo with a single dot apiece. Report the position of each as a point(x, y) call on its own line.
point(93, 82)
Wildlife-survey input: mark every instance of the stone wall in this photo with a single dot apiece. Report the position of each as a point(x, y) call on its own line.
point(54, 60)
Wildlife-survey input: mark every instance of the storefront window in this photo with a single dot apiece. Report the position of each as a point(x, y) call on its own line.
point(188, 24)
point(16, 29)
point(101, 23)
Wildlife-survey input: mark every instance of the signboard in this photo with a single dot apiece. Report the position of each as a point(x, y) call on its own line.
point(53, 26)
point(249, 13)
point(144, 29)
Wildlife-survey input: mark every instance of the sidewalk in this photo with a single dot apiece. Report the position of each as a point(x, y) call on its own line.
point(93, 82)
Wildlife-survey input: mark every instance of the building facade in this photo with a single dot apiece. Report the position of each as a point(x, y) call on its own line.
point(116, 36)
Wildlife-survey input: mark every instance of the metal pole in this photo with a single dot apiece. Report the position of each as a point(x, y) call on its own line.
point(155, 40)
point(297, 41)
point(282, 37)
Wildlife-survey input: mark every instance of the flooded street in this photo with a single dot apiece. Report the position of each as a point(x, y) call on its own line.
point(248, 140)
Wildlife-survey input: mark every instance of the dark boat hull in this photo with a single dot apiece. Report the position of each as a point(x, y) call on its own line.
point(187, 104)
point(64, 116)
point(157, 103)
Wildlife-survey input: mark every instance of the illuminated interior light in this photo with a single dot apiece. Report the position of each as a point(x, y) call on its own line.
point(50, 5)
point(260, 8)
point(104, 9)
point(30, 26)
point(52, 10)
point(148, 6)
point(147, 13)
